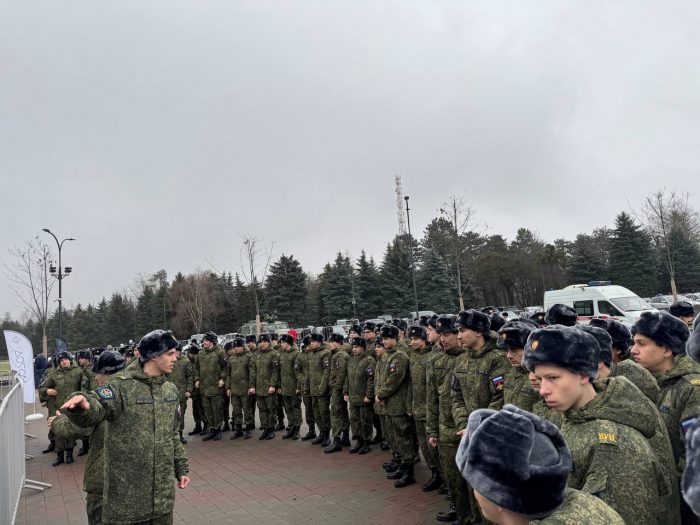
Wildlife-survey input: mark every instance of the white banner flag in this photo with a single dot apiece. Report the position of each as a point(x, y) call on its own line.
point(19, 349)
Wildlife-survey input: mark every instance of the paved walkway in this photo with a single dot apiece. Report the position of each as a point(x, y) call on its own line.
point(250, 482)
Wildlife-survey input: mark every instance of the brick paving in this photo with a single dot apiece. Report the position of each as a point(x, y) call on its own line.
point(250, 482)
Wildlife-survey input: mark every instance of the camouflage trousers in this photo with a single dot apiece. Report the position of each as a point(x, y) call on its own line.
point(280, 409)
point(377, 422)
point(212, 410)
point(292, 407)
point(430, 454)
point(322, 414)
point(387, 431)
point(309, 412)
point(198, 408)
point(461, 493)
point(340, 421)
point(267, 405)
point(361, 417)
point(63, 444)
point(225, 405)
point(93, 505)
point(399, 437)
point(180, 415)
point(243, 410)
point(165, 519)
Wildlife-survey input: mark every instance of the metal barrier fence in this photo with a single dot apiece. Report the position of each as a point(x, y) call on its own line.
point(12, 454)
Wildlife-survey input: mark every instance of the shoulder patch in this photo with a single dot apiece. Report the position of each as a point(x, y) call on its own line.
point(607, 433)
point(105, 393)
point(370, 371)
point(607, 438)
point(687, 423)
point(498, 382)
point(326, 362)
point(695, 381)
point(392, 368)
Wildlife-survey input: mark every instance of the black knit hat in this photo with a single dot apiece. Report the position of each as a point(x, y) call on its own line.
point(336, 338)
point(473, 320)
point(389, 331)
point(561, 314)
point(539, 318)
point(211, 337)
point(317, 337)
point(286, 338)
point(418, 331)
point(681, 309)
point(513, 335)
point(562, 346)
point(690, 483)
point(497, 321)
point(445, 324)
point(604, 342)
point(251, 339)
point(359, 341)
point(663, 329)
point(109, 362)
point(692, 346)
point(517, 460)
point(156, 343)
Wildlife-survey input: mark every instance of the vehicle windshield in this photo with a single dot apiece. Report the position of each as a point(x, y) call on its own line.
point(631, 304)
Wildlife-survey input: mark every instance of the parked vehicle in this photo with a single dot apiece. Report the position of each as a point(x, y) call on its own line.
point(664, 302)
point(198, 338)
point(278, 327)
point(600, 299)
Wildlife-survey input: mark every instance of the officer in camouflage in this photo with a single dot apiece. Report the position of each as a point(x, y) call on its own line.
point(303, 362)
point(291, 384)
point(318, 387)
point(518, 465)
point(200, 420)
point(138, 406)
point(239, 380)
point(209, 373)
point(182, 377)
point(340, 423)
point(359, 393)
point(517, 389)
point(265, 368)
point(87, 384)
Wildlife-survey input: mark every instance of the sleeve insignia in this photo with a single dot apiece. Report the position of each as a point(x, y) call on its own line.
point(498, 382)
point(326, 362)
point(687, 423)
point(105, 393)
point(607, 438)
point(455, 384)
point(392, 368)
point(695, 381)
point(370, 371)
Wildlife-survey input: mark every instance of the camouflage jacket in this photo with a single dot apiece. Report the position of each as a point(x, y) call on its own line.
point(359, 380)
point(182, 376)
point(209, 367)
point(318, 375)
point(639, 376)
point(88, 383)
point(265, 368)
point(540, 408)
point(339, 371)
point(379, 371)
point(303, 364)
point(579, 507)
point(679, 403)
point(517, 389)
point(64, 428)
point(291, 376)
point(395, 382)
point(65, 381)
point(612, 456)
point(478, 381)
point(439, 422)
point(419, 360)
point(239, 376)
point(143, 455)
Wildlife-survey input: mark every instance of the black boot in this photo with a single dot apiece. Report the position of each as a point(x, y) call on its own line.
point(448, 515)
point(357, 447)
point(217, 434)
point(59, 459)
point(319, 439)
point(197, 428)
point(280, 425)
point(264, 434)
point(326, 439)
point(50, 448)
point(397, 474)
point(183, 439)
point(345, 439)
point(238, 433)
point(434, 482)
point(334, 446)
point(69, 456)
point(311, 434)
point(205, 430)
point(391, 465)
point(226, 427)
point(210, 434)
point(383, 445)
point(408, 477)
point(295, 432)
point(289, 433)
point(365, 447)
point(270, 433)
point(443, 488)
point(248, 430)
point(84, 449)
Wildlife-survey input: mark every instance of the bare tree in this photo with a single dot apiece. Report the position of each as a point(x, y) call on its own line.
point(460, 215)
point(193, 300)
point(254, 262)
point(28, 277)
point(665, 217)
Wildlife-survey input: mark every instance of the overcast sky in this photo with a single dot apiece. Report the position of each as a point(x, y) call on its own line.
point(159, 132)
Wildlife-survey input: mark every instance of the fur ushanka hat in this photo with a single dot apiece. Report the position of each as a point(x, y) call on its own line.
point(663, 329)
point(561, 314)
point(563, 346)
point(604, 342)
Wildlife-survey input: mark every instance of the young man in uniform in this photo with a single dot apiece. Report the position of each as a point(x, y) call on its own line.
point(359, 393)
point(291, 384)
point(209, 373)
point(265, 368)
point(182, 377)
point(340, 423)
point(318, 387)
point(200, 420)
point(239, 380)
point(517, 389)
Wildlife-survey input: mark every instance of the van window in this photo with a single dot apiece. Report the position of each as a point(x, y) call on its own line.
point(605, 308)
point(584, 308)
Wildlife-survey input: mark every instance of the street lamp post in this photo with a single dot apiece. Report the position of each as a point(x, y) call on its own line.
point(60, 277)
point(413, 262)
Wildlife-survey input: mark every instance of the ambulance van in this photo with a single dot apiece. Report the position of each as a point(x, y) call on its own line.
point(599, 299)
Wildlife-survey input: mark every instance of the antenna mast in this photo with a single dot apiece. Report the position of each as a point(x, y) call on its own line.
point(399, 205)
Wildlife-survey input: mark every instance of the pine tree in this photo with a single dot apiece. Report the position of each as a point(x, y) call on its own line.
point(633, 261)
point(286, 290)
point(336, 283)
point(367, 288)
point(396, 279)
point(437, 289)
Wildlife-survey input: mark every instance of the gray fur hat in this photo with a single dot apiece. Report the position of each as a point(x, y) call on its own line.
point(663, 329)
point(156, 343)
point(513, 335)
point(620, 334)
point(561, 314)
point(604, 342)
point(563, 346)
point(474, 320)
point(681, 309)
point(516, 460)
point(690, 483)
point(692, 347)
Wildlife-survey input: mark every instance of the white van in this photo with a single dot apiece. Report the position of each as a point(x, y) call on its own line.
point(599, 299)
